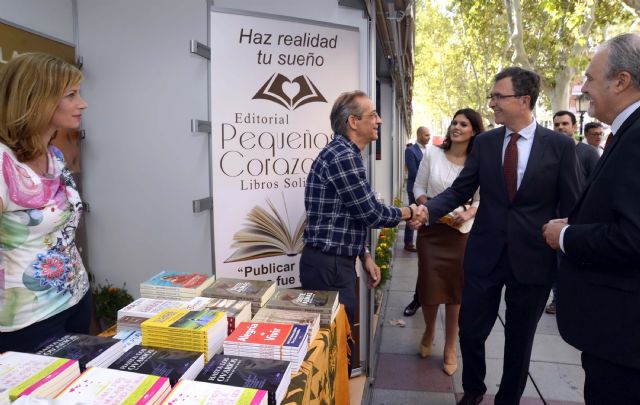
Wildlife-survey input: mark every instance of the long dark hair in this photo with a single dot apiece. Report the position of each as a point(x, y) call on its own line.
point(476, 125)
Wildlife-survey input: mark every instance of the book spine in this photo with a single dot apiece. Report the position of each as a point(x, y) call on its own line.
point(258, 398)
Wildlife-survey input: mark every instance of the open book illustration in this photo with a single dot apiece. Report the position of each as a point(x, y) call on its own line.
point(289, 93)
point(267, 234)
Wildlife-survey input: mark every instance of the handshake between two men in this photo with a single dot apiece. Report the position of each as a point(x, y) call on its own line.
point(419, 216)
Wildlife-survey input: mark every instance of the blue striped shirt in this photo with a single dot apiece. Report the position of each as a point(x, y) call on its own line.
point(339, 201)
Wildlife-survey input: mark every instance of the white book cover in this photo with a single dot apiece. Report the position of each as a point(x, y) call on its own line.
point(147, 307)
point(110, 387)
point(202, 393)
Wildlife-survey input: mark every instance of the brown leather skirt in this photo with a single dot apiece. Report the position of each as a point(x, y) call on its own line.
point(440, 258)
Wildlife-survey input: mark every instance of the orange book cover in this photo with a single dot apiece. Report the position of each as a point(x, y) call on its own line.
point(273, 334)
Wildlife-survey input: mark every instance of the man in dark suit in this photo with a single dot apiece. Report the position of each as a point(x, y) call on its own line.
point(593, 133)
point(412, 158)
point(565, 123)
point(526, 174)
point(599, 275)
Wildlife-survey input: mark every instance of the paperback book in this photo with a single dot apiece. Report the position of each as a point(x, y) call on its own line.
point(175, 285)
point(89, 350)
point(173, 364)
point(188, 392)
point(311, 319)
point(273, 376)
point(269, 341)
point(237, 311)
point(99, 385)
point(257, 292)
point(147, 307)
point(34, 374)
point(200, 331)
point(324, 303)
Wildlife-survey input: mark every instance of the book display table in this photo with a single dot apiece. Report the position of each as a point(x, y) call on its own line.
point(322, 378)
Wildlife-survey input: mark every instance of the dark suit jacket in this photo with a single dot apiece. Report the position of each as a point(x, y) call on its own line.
point(549, 188)
point(588, 159)
point(599, 278)
point(412, 157)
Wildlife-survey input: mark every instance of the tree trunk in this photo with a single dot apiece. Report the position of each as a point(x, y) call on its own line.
point(561, 93)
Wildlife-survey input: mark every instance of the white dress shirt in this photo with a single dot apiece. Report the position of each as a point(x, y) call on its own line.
point(524, 147)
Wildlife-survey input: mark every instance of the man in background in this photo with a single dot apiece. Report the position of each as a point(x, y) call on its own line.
point(412, 158)
point(593, 133)
point(565, 123)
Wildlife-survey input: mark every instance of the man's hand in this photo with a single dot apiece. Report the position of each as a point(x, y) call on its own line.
point(420, 217)
point(551, 232)
point(373, 271)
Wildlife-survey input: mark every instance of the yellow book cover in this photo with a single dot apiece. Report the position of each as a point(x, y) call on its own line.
point(190, 322)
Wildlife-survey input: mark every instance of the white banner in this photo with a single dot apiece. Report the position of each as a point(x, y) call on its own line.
point(273, 84)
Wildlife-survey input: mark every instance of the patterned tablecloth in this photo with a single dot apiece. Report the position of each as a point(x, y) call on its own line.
point(322, 378)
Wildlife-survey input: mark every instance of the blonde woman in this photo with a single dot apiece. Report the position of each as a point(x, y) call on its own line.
point(441, 245)
point(44, 288)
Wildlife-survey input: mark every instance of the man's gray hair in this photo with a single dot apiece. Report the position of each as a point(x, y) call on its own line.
point(624, 56)
point(344, 106)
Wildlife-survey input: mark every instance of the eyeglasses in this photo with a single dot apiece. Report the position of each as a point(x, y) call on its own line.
point(500, 97)
point(372, 114)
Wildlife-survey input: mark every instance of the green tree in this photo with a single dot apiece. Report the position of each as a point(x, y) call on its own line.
point(554, 37)
point(461, 44)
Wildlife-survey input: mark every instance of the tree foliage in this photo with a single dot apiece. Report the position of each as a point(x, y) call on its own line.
point(461, 44)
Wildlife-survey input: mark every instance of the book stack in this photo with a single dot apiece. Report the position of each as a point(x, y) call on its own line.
point(257, 292)
point(195, 331)
point(90, 351)
point(277, 341)
point(175, 285)
point(237, 311)
point(284, 316)
point(273, 376)
point(131, 316)
point(196, 392)
point(173, 364)
point(324, 303)
point(33, 374)
point(100, 385)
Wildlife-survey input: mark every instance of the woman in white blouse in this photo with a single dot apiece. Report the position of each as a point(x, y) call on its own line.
point(441, 245)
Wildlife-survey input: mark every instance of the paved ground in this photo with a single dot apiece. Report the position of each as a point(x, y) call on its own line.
point(402, 377)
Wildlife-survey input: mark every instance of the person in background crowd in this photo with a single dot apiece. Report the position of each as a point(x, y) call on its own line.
point(441, 246)
point(526, 174)
point(45, 288)
point(412, 158)
point(565, 123)
point(599, 275)
point(593, 133)
point(341, 206)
